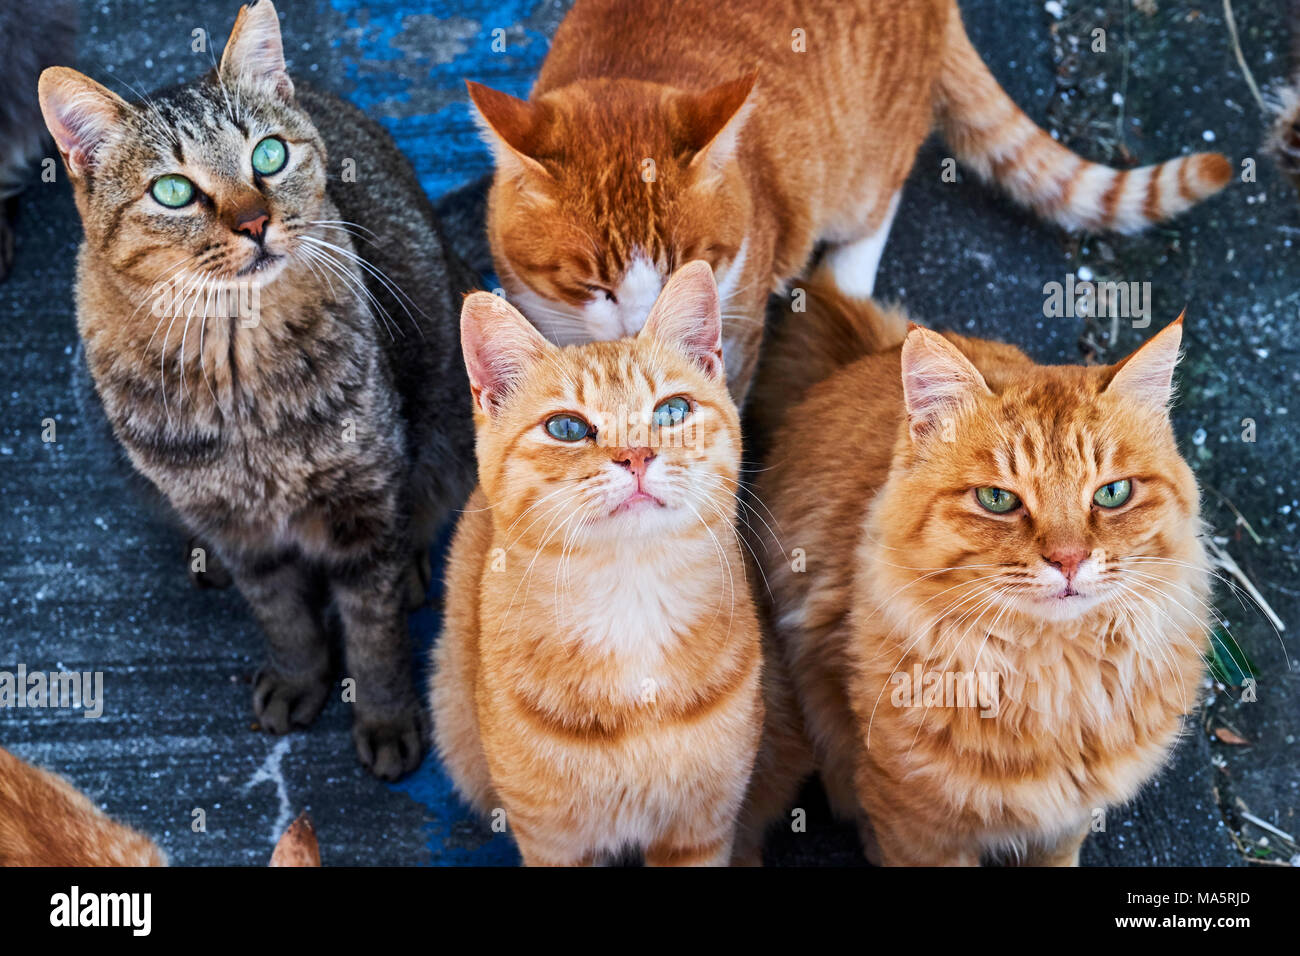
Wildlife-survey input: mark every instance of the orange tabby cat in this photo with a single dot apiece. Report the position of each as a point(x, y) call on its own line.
point(45, 821)
point(598, 674)
point(1002, 617)
point(745, 133)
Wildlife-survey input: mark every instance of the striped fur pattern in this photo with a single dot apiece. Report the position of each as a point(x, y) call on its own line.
point(994, 137)
point(317, 440)
point(746, 134)
point(598, 674)
point(907, 575)
point(45, 821)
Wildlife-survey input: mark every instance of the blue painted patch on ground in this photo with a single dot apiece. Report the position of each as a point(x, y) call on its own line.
point(408, 69)
point(396, 64)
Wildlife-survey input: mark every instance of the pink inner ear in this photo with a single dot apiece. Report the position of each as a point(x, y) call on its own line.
point(80, 126)
point(936, 378)
point(499, 347)
point(687, 316)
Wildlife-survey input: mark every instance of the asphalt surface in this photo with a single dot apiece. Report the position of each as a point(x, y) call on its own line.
point(94, 583)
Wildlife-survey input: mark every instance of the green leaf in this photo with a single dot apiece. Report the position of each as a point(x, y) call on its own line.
point(1228, 663)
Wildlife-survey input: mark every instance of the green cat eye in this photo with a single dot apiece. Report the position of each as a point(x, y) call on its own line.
point(568, 428)
point(672, 411)
point(270, 155)
point(1113, 493)
point(997, 500)
point(172, 190)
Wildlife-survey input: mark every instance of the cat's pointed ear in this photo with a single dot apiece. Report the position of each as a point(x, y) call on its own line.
point(81, 115)
point(254, 53)
point(500, 347)
point(710, 123)
point(1147, 376)
point(687, 315)
point(509, 126)
point(937, 381)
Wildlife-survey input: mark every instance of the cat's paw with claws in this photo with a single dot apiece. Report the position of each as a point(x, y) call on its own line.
point(284, 702)
point(392, 746)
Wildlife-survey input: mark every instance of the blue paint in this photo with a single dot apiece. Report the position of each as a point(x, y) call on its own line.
point(454, 835)
point(443, 145)
point(445, 148)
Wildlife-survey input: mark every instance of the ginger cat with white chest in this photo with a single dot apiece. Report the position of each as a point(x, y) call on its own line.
point(598, 675)
point(1003, 614)
point(746, 133)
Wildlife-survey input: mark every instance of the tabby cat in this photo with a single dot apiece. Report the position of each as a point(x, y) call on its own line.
point(598, 673)
point(744, 134)
point(298, 402)
point(1003, 613)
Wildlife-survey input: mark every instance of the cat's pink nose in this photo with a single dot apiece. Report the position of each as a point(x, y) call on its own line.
point(253, 223)
point(634, 460)
point(1067, 560)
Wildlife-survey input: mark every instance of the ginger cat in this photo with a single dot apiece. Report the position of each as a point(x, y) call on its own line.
point(745, 134)
point(598, 674)
point(1003, 615)
point(46, 821)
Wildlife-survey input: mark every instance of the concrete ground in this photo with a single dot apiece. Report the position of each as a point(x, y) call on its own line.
point(94, 583)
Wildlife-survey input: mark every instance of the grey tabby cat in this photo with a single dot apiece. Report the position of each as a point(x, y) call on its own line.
point(32, 37)
point(300, 407)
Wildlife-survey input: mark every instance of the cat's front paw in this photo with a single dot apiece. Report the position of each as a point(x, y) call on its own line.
point(392, 746)
point(282, 702)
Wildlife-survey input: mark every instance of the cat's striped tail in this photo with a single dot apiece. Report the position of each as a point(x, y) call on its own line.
point(992, 136)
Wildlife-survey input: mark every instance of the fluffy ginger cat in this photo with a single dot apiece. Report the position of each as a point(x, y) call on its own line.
point(745, 134)
point(46, 821)
point(1003, 614)
point(598, 673)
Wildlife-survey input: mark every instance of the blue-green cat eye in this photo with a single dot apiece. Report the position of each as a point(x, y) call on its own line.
point(672, 411)
point(568, 428)
point(997, 500)
point(1113, 493)
point(172, 190)
point(270, 155)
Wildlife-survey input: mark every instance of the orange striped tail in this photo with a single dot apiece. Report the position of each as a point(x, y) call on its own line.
point(992, 136)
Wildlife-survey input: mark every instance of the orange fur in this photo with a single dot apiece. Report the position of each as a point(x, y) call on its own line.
point(907, 573)
point(598, 673)
point(745, 134)
point(45, 821)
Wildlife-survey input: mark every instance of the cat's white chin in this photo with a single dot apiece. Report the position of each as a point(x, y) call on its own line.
point(640, 519)
point(1059, 606)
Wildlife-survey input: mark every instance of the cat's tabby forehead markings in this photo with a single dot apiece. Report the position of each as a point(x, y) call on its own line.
point(205, 131)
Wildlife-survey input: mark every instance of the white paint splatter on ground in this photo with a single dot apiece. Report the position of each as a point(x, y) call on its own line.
point(272, 771)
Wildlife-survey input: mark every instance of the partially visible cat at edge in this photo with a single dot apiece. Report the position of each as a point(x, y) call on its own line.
point(598, 674)
point(45, 821)
point(745, 134)
point(300, 406)
point(1004, 610)
point(32, 37)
